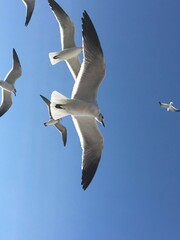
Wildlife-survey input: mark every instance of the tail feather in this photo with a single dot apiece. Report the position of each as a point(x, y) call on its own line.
point(58, 98)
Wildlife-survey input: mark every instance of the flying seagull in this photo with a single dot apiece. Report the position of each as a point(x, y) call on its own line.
point(69, 51)
point(56, 123)
point(83, 106)
point(169, 107)
point(8, 84)
point(29, 9)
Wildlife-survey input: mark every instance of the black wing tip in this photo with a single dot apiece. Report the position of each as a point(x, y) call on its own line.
point(88, 175)
point(159, 103)
point(14, 52)
point(89, 33)
point(16, 58)
point(50, 2)
point(64, 138)
point(45, 99)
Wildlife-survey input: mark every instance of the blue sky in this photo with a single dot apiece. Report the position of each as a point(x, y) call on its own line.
point(135, 193)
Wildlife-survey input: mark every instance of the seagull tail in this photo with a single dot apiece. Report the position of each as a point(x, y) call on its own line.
point(53, 58)
point(58, 99)
point(66, 54)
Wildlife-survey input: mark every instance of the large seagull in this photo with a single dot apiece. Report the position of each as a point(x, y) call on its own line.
point(83, 106)
point(8, 84)
point(69, 51)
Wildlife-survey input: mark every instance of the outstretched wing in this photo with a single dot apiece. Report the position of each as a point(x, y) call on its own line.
point(15, 71)
point(63, 131)
point(175, 109)
point(164, 105)
point(67, 32)
point(6, 102)
point(92, 144)
point(29, 9)
point(65, 25)
point(92, 70)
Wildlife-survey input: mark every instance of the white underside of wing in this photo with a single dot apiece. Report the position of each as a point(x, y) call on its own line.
point(91, 143)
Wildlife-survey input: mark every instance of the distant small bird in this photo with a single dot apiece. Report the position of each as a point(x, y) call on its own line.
point(8, 84)
point(69, 51)
point(83, 105)
point(56, 123)
point(29, 9)
point(169, 107)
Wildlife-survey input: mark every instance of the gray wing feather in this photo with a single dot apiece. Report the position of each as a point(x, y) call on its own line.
point(92, 144)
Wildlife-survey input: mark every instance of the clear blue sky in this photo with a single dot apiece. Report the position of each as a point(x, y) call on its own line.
point(135, 193)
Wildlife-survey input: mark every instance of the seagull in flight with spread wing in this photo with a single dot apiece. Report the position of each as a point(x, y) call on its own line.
point(8, 84)
point(169, 107)
point(29, 9)
point(83, 106)
point(56, 123)
point(69, 51)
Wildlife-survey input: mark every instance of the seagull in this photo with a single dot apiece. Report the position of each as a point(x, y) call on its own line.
point(29, 9)
point(69, 50)
point(8, 84)
point(169, 107)
point(83, 106)
point(56, 123)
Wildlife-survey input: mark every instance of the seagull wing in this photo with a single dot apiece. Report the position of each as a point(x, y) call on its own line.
point(67, 32)
point(63, 131)
point(65, 25)
point(6, 102)
point(174, 109)
point(48, 105)
point(29, 9)
point(15, 71)
point(92, 144)
point(74, 66)
point(92, 70)
point(164, 105)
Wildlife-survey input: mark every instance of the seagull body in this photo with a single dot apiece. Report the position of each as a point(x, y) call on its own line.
point(8, 84)
point(169, 107)
point(56, 122)
point(83, 106)
point(69, 50)
point(29, 9)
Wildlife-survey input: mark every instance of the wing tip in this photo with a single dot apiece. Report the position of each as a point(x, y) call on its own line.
point(88, 175)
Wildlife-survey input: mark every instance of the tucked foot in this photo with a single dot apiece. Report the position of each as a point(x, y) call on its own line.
point(59, 106)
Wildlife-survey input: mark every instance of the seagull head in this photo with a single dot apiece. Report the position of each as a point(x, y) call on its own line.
point(100, 119)
point(171, 103)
